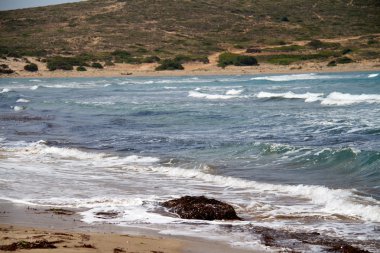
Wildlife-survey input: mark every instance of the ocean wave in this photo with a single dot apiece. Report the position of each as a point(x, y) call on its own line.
point(234, 92)
point(334, 98)
point(196, 94)
point(35, 87)
point(307, 76)
point(373, 75)
point(19, 108)
point(41, 148)
point(22, 100)
point(293, 77)
point(229, 94)
point(314, 198)
point(5, 90)
point(337, 98)
point(332, 201)
point(308, 97)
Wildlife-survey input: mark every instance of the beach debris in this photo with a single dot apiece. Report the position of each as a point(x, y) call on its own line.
point(201, 208)
point(87, 246)
point(60, 211)
point(106, 215)
point(118, 250)
point(40, 244)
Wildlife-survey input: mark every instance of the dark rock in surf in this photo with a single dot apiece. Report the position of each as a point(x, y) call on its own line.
point(201, 208)
point(294, 241)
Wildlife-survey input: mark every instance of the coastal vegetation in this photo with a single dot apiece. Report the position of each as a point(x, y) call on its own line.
point(171, 33)
point(81, 68)
point(170, 64)
point(31, 67)
point(227, 58)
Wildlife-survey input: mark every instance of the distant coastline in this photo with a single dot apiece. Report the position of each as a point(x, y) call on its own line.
point(191, 69)
point(9, 5)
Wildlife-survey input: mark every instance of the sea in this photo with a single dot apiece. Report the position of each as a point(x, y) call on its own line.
point(294, 152)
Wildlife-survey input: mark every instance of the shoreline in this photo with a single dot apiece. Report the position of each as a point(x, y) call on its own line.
point(191, 69)
point(20, 223)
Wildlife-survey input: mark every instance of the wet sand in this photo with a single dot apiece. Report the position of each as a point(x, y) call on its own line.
point(24, 227)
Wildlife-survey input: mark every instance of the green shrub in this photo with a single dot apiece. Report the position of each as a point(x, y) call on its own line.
point(344, 60)
point(65, 63)
point(284, 19)
point(121, 55)
point(346, 51)
point(31, 67)
point(97, 65)
point(14, 55)
point(151, 59)
point(193, 58)
point(371, 41)
point(141, 50)
point(286, 59)
point(227, 58)
point(4, 69)
point(109, 63)
point(170, 64)
point(238, 46)
point(317, 44)
point(331, 64)
point(81, 68)
point(290, 48)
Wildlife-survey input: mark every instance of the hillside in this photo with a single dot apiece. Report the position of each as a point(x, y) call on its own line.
point(196, 28)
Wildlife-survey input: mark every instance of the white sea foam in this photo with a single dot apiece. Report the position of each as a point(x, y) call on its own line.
point(334, 98)
point(41, 149)
point(373, 75)
point(5, 90)
point(294, 77)
point(331, 201)
point(22, 100)
point(196, 94)
point(308, 97)
point(229, 94)
point(19, 108)
point(337, 98)
point(133, 185)
point(234, 92)
point(34, 87)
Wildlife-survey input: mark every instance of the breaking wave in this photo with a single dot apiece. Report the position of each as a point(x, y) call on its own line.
point(334, 98)
point(308, 97)
point(196, 94)
point(337, 98)
point(294, 77)
point(322, 199)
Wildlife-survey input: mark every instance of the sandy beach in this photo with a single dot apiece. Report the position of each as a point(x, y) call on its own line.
point(30, 229)
point(191, 69)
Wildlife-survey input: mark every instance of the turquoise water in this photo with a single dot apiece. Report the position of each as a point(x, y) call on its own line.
point(305, 145)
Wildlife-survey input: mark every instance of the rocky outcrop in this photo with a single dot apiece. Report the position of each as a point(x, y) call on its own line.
point(201, 208)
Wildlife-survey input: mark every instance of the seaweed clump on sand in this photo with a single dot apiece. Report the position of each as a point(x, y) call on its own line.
point(41, 244)
point(60, 211)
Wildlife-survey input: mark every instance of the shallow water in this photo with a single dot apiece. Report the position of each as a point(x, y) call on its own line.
point(298, 152)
